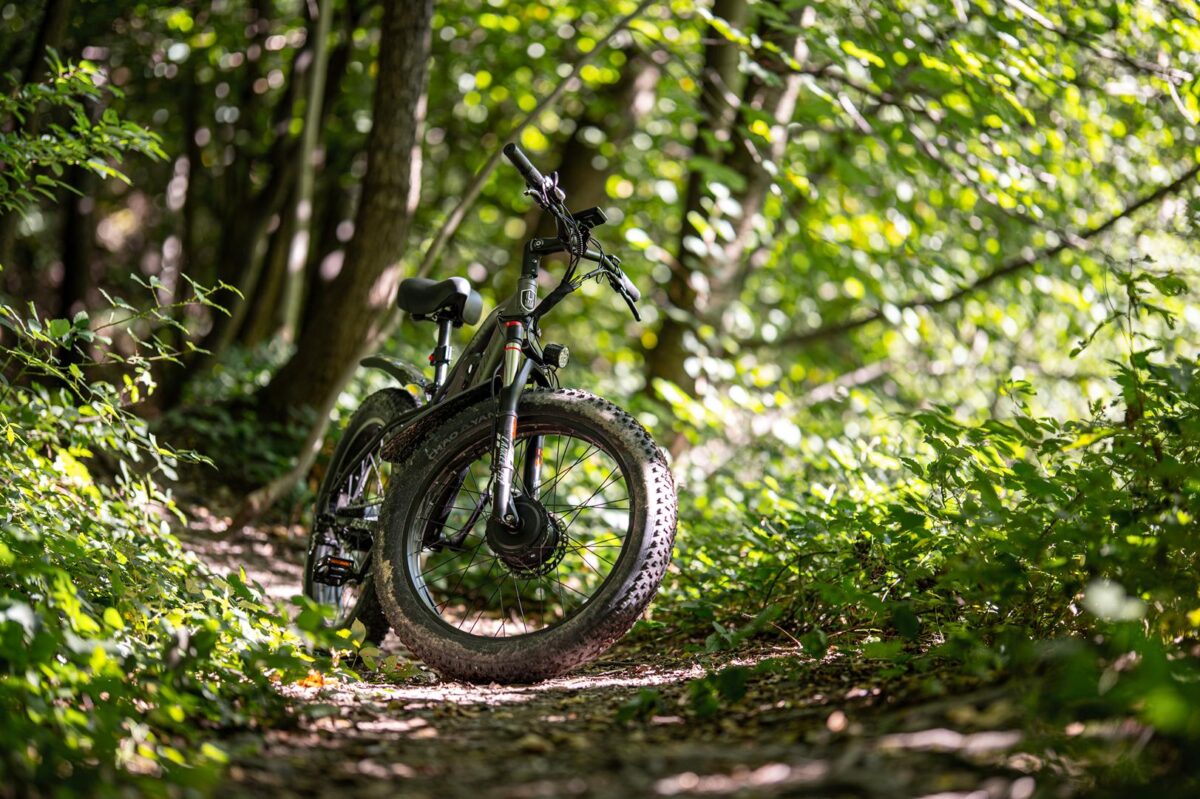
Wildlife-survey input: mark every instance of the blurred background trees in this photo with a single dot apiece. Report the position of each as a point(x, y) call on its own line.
point(807, 189)
point(873, 238)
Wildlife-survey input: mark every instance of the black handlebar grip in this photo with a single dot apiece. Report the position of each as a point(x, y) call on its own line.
point(528, 171)
point(629, 288)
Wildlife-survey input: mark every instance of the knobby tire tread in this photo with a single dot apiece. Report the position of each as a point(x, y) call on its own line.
point(589, 632)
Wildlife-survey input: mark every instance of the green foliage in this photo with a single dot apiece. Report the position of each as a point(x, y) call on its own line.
point(709, 693)
point(998, 474)
point(1005, 534)
point(641, 706)
point(220, 417)
point(120, 654)
point(52, 129)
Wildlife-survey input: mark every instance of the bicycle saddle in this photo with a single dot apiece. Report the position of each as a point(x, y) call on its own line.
point(452, 299)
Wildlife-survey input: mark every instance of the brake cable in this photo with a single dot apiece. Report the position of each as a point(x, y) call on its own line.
point(576, 242)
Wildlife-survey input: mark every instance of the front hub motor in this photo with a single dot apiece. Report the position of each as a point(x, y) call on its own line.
point(535, 546)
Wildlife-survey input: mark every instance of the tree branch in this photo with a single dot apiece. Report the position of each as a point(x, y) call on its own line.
point(450, 226)
point(1171, 75)
point(1067, 241)
point(454, 219)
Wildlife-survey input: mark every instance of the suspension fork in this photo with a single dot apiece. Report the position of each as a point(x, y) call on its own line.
point(516, 369)
point(531, 469)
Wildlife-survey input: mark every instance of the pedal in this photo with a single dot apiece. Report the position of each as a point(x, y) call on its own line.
point(333, 570)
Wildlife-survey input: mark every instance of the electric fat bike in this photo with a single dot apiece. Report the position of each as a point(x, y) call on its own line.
point(508, 529)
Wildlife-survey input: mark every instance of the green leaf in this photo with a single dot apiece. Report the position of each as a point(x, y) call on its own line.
point(59, 329)
point(905, 621)
point(112, 617)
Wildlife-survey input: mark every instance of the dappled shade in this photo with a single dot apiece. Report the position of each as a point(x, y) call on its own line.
point(919, 336)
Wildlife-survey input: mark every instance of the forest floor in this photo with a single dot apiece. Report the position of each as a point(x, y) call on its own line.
point(625, 725)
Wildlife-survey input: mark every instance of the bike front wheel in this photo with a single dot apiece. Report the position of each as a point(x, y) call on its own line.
point(598, 508)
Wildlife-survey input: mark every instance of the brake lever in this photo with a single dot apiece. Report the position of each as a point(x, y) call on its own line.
point(637, 317)
point(619, 287)
point(547, 194)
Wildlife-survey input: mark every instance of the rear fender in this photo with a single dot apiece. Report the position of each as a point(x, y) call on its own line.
point(403, 373)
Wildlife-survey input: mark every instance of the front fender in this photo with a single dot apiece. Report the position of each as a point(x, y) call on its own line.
point(403, 437)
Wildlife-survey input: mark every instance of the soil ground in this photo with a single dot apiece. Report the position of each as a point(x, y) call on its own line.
point(626, 725)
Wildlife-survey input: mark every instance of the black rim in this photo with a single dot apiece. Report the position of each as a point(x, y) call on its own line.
point(360, 495)
point(466, 585)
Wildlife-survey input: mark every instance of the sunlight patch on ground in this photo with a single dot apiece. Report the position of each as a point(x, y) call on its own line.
point(272, 555)
point(353, 694)
point(944, 740)
point(770, 775)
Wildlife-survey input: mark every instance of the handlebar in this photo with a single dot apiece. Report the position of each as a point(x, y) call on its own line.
point(539, 187)
point(528, 171)
point(627, 286)
point(618, 280)
point(623, 283)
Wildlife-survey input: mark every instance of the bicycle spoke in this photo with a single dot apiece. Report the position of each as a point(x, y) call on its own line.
point(575, 590)
point(611, 504)
point(500, 593)
point(358, 495)
point(520, 607)
point(558, 476)
point(557, 466)
point(575, 513)
point(468, 593)
point(578, 548)
point(463, 577)
point(444, 575)
point(489, 599)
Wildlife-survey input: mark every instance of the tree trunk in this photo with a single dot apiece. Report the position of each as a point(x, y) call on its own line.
point(749, 158)
point(193, 263)
point(617, 110)
point(244, 245)
point(298, 247)
point(358, 299)
point(624, 104)
point(333, 203)
point(724, 267)
point(78, 238)
point(719, 79)
point(263, 318)
point(248, 213)
point(77, 242)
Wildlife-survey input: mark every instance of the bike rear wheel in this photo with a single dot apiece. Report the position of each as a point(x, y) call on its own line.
point(598, 524)
point(346, 516)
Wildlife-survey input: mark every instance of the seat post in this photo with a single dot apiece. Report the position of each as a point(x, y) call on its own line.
point(441, 354)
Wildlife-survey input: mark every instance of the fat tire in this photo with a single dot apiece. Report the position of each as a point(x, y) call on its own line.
point(609, 613)
point(379, 408)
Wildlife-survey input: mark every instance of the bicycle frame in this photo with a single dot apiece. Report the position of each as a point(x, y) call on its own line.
point(497, 355)
point(505, 345)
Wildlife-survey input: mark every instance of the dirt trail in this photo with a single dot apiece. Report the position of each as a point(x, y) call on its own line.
point(827, 728)
point(561, 738)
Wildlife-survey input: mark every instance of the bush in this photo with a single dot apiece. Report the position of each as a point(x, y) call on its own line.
point(120, 654)
point(1003, 544)
point(35, 161)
